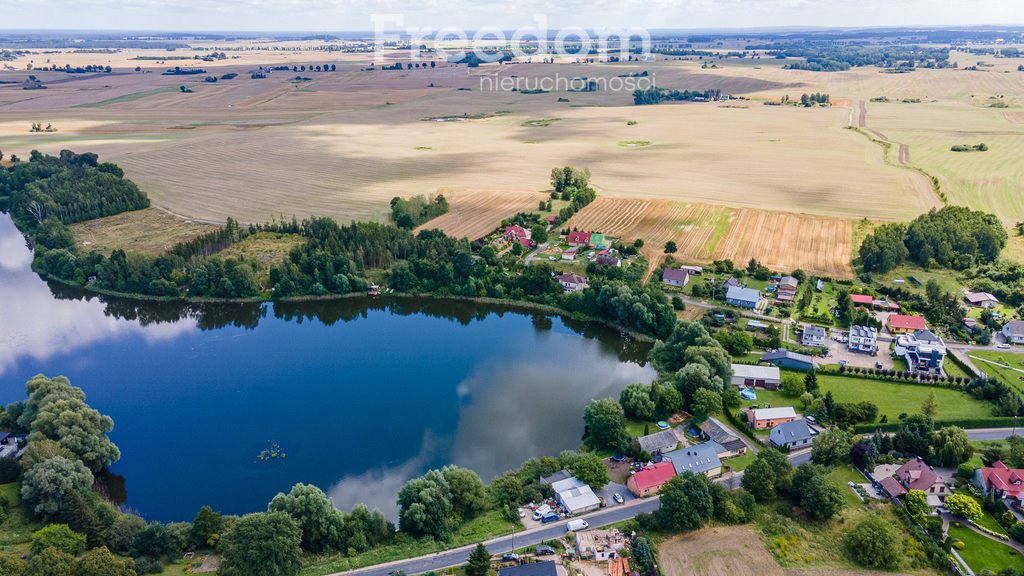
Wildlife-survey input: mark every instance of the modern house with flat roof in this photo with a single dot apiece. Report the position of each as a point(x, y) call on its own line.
point(752, 376)
point(813, 336)
point(923, 350)
point(762, 418)
point(742, 297)
point(863, 339)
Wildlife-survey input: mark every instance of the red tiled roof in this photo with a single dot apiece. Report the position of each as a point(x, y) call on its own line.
point(893, 487)
point(999, 477)
point(517, 231)
point(916, 475)
point(526, 242)
point(654, 475)
point(578, 237)
point(861, 299)
point(572, 278)
point(907, 322)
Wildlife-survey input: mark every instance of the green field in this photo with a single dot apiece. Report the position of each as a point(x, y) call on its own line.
point(891, 398)
point(839, 476)
point(946, 278)
point(982, 553)
point(16, 530)
point(1009, 376)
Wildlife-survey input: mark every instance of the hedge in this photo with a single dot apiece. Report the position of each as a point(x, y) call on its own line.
point(961, 364)
point(990, 422)
point(743, 427)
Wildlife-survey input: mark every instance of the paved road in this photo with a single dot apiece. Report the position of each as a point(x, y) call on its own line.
point(456, 556)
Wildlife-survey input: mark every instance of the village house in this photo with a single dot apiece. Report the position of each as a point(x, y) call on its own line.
point(981, 299)
point(675, 277)
point(573, 282)
point(515, 233)
point(742, 297)
point(861, 300)
point(900, 324)
point(917, 475)
point(569, 254)
point(608, 260)
point(659, 442)
point(813, 336)
point(648, 482)
point(599, 545)
point(751, 376)
point(788, 359)
point(578, 239)
point(1005, 482)
point(863, 339)
point(699, 459)
point(786, 290)
point(732, 282)
point(731, 444)
point(575, 496)
point(792, 435)
point(1013, 331)
point(923, 350)
point(763, 418)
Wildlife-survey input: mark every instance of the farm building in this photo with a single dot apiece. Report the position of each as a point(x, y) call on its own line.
point(813, 336)
point(923, 350)
point(531, 569)
point(1013, 331)
point(770, 417)
point(795, 434)
point(756, 376)
point(1005, 482)
point(694, 270)
point(862, 300)
point(863, 339)
point(659, 442)
point(575, 496)
point(743, 297)
point(579, 239)
point(900, 324)
point(788, 359)
point(572, 282)
point(981, 299)
point(722, 435)
point(648, 482)
point(599, 545)
point(786, 290)
point(699, 459)
point(569, 254)
point(675, 277)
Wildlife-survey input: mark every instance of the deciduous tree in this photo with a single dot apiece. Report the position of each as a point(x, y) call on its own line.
point(265, 543)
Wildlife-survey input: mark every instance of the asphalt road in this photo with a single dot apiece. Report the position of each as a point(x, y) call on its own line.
point(456, 556)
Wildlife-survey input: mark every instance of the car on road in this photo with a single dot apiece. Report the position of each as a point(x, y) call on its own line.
point(510, 557)
point(1003, 346)
point(576, 525)
point(617, 497)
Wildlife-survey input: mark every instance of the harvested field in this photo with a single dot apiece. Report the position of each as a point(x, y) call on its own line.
point(731, 551)
point(474, 214)
point(150, 231)
point(785, 241)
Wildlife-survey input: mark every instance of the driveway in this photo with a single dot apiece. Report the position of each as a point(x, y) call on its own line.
point(838, 351)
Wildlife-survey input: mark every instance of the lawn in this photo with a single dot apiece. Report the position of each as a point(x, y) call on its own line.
point(740, 462)
point(894, 399)
point(1009, 376)
point(982, 553)
point(986, 519)
point(16, 530)
point(946, 278)
point(839, 476)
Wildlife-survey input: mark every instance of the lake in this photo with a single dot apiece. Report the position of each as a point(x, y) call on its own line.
point(359, 395)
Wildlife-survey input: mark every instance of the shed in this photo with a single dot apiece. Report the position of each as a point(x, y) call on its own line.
point(752, 375)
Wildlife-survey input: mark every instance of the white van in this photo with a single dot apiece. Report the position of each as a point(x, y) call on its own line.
point(576, 525)
point(541, 511)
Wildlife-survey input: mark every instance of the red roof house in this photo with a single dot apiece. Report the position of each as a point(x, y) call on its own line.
point(577, 238)
point(1007, 482)
point(898, 323)
point(516, 232)
point(861, 299)
point(648, 481)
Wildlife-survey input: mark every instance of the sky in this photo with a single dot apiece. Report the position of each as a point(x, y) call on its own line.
point(357, 15)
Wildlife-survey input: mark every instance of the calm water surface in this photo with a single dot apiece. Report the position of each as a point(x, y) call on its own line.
point(360, 395)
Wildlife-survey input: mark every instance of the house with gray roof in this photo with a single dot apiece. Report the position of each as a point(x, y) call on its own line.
point(788, 359)
point(813, 336)
point(659, 442)
point(742, 297)
point(698, 459)
point(722, 435)
point(1013, 331)
point(795, 434)
point(675, 277)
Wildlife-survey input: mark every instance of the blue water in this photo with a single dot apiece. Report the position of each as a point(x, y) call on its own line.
point(360, 395)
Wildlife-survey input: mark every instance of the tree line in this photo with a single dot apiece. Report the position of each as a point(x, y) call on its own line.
point(411, 212)
point(655, 95)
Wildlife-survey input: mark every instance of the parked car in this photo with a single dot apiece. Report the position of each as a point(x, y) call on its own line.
point(544, 550)
point(541, 511)
point(576, 525)
point(811, 419)
point(617, 497)
point(549, 517)
point(522, 513)
point(552, 258)
point(1004, 346)
point(510, 557)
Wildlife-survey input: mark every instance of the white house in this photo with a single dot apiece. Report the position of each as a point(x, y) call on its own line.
point(863, 339)
point(1013, 331)
point(923, 350)
point(813, 336)
point(794, 434)
point(575, 496)
point(981, 299)
point(572, 282)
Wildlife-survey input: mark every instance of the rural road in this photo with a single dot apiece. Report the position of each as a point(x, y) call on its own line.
point(612, 515)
